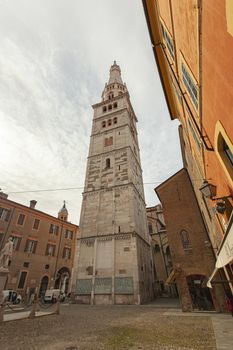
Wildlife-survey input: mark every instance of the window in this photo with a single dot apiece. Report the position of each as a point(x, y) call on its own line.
point(194, 135)
point(104, 124)
point(115, 105)
point(16, 242)
point(66, 253)
point(22, 279)
point(108, 163)
point(26, 264)
point(108, 141)
point(109, 122)
point(115, 120)
point(36, 224)
point(4, 214)
point(224, 150)
point(69, 234)
point(30, 246)
point(54, 229)
point(227, 152)
point(21, 218)
point(190, 85)
point(109, 107)
point(50, 250)
point(185, 239)
point(168, 40)
point(104, 109)
point(1, 237)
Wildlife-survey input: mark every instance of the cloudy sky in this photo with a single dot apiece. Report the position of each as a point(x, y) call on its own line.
point(55, 57)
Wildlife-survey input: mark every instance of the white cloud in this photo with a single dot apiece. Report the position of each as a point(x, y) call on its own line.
point(54, 61)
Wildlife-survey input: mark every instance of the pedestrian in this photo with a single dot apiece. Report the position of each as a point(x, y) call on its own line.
point(229, 302)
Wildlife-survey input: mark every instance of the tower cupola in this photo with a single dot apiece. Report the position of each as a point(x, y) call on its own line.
point(63, 213)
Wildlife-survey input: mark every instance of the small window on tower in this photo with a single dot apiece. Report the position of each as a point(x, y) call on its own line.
point(104, 124)
point(108, 163)
point(115, 120)
point(115, 105)
point(109, 122)
point(104, 109)
point(109, 107)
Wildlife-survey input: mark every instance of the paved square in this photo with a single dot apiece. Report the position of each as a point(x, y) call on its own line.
point(110, 328)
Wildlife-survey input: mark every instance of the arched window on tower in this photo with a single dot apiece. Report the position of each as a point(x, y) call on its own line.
point(104, 108)
point(103, 124)
point(109, 122)
point(108, 163)
point(109, 107)
point(115, 120)
point(115, 105)
point(185, 239)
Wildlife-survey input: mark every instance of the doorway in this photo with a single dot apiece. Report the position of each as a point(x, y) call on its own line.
point(201, 296)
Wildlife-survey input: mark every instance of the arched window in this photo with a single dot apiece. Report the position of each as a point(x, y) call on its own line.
point(185, 239)
point(120, 93)
point(115, 120)
point(104, 124)
point(108, 163)
point(115, 105)
point(109, 122)
point(109, 107)
point(104, 108)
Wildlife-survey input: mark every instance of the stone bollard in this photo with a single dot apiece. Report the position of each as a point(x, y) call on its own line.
point(34, 307)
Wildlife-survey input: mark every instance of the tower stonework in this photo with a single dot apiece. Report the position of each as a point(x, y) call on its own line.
point(114, 264)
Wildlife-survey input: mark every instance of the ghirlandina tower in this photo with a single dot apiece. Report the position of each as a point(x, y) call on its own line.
point(113, 264)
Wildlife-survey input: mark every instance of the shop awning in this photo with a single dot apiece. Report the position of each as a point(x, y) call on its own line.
point(225, 253)
point(171, 278)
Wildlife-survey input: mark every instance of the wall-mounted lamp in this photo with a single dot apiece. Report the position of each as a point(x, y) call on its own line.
point(208, 190)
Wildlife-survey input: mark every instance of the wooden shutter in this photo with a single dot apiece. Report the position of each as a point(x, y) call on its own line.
point(47, 250)
point(8, 215)
point(26, 245)
point(34, 247)
point(18, 243)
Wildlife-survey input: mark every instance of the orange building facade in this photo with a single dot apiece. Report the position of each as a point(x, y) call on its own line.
point(193, 47)
point(43, 247)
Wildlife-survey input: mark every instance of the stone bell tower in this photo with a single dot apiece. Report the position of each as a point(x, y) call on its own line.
point(114, 263)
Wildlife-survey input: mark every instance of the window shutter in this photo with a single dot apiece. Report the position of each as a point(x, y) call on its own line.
point(51, 228)
point(53, 250)
point(69, 254)
point(34, 247)
point(64, 253)
point(71, 235)
point(26, 245)
point(57, 230)
point(47, 250)
point(8, 215)
point(18, 243)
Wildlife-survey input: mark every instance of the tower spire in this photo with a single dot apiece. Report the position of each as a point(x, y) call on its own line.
point(115, 74)
point(115, 85)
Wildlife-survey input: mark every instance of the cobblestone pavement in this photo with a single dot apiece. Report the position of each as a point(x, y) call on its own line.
point(109, 328)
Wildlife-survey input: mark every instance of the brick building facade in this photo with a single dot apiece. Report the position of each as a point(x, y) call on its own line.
point(43, 247)
point(192, 256)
